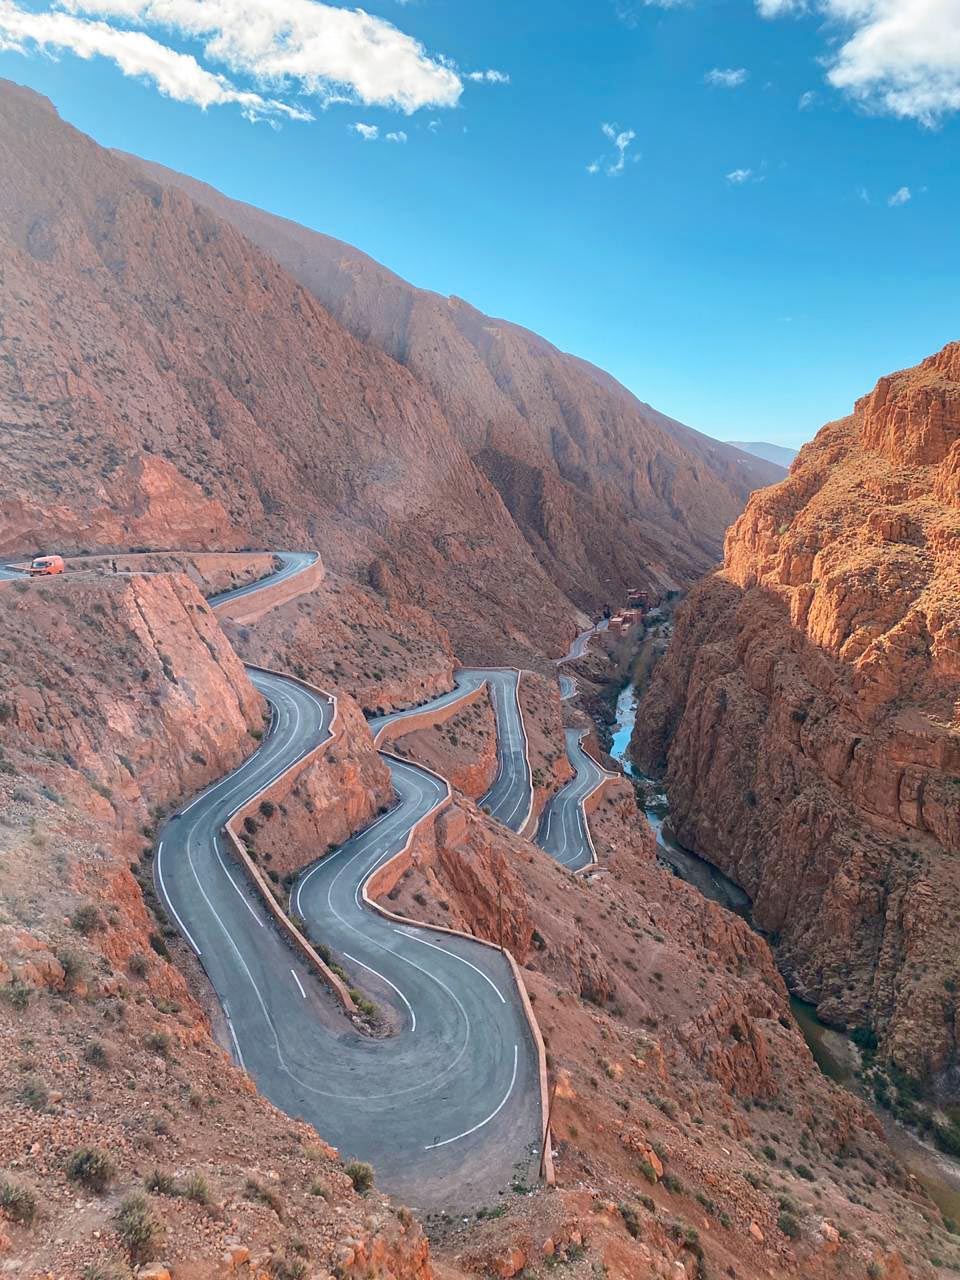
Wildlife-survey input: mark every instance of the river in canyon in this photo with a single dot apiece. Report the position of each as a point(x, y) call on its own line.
point(834, 1053)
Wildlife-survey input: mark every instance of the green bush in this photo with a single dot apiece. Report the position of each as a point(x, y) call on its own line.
point(161, 1183)
point(158, 1042)
point(106, 1271)
point(19, 1204)
point(96, 1054)
point(86, 919)
point(789, 1225)
point(254, 1190)
point(631, 1219)
point(34, 1094)
point(18, 994)
point(94, 1169)
point(195, 1188)
point(281, 1266)
point(138, 1228)
point(360, 1174)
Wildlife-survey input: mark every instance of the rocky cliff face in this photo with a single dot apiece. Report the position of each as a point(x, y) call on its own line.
point(606, 491)
point(808, 715)
point(108, 678)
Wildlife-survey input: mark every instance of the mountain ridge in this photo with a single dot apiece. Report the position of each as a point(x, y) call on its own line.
point(596, 483)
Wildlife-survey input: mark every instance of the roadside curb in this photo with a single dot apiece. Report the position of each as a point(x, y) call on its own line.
point(387, 914)
point(293, 934)
point(594, 796)
point(422, 718)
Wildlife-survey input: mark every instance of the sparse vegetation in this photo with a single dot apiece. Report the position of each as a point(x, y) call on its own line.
point(789, 1224)
point(257, 1192)
point(161, 1183)
point(86, 919)
point(92, 1169)
point(195, 1188)
point(360, 1174)
point(17, 1202)
point(158, 1042)
point(138, 1228)
point(34, 1094)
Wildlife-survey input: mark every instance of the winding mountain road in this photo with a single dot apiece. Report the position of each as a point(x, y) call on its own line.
point(510, 797)
point(447, 1106)
point(563, 830)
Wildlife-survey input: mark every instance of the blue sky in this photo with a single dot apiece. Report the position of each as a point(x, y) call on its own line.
point(766, 224)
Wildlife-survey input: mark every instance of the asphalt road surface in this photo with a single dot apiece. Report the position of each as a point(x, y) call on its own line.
point(579, 647)
point(447, 1107)
point(292, 563)
point(563, 831)
point(510, 798)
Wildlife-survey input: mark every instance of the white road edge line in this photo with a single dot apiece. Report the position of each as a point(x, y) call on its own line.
point(169, 901)
point(413, 1016)
point(299, 983)
point(236, 1044)
point(423, 942)
point(503, 1102)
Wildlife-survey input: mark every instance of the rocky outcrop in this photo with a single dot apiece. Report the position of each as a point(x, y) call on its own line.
point(126, 685)
point(311, 810)
point(462, 745)
point(808, 715)
point(384, 652)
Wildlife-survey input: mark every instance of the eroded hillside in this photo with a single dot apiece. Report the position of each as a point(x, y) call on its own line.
point(607, 492)
point(121, 697)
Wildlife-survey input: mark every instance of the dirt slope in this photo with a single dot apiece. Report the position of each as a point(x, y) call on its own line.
point(166, 383)
point(607, 491)
point(808, 715)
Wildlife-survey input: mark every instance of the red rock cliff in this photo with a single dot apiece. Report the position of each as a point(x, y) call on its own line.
point(808, 718)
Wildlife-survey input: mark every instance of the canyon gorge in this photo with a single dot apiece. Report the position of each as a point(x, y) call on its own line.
point(183, 378)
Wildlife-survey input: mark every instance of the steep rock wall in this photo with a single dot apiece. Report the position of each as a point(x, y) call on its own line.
point(808, 715)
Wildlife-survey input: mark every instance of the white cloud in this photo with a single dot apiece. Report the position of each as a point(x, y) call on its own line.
point(739, 176)
point(489, 77)
point(806, 100)
point(898, 57)
point(629, 11)
point(613, 165)
point(901, 196)
point(726, 77)
point(368, 132)
point(307, 46)
point(176, 75)
point(397, 136)
point(621, 139)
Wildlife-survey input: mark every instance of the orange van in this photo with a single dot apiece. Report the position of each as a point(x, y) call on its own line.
point(46, 564)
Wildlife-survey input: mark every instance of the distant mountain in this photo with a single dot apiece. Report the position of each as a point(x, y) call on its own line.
point(778, 454)
point(603, 488)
